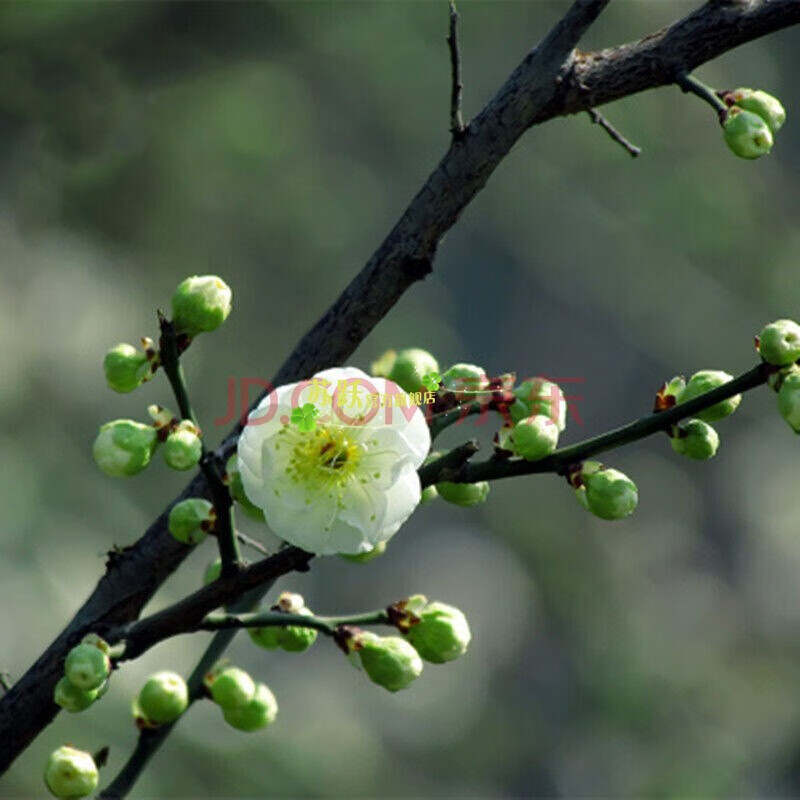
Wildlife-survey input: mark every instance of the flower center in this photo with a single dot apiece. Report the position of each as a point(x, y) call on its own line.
point(323, 458)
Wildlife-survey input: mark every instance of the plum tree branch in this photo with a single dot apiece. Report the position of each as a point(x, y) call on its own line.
point(552, 80)
point(561, 460)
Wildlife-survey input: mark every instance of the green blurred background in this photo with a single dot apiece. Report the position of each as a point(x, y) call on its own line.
point(276, 144)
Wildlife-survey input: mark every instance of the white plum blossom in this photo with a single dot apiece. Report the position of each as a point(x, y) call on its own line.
point(349, 483)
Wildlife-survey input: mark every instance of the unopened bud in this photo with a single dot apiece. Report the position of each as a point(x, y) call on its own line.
point(779, 342)
point(769, 108)
point(789, 400)
point(232, 688)
point(695, 439)
point(71, 698)
point(410, 366)
point(606, 492)
point(442, 633)
point(258, 713)
point(126, 368)
point(463, 494)
point(164, 697)
point(123, 447)
point(746, 134)
point(467, 382)
point(183, 446)
point(191, 519)
point(201, 304)
point(71, 773)
point(539, 397)
point(534, 438)
point(87, 667)
point(704, 381)
point(389, 661)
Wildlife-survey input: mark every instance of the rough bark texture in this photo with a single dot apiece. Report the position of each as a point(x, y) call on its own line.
point(553, 80)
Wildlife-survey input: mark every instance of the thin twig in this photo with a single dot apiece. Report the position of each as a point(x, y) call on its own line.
point(688, 83)
point(561, 460)
point(210, 463)
point(274, 619)
point(626, 144)
point(249, 541)
point(5, 681)
point(457, 127)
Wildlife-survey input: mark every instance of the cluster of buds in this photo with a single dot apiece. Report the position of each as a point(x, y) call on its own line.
point(292, 638)
point(124, 447)
point(429, 631)
point(86, 671)
point(245, 704)
point(695, 438)
point(751, 121)
point(779, 346)
point(162, 699)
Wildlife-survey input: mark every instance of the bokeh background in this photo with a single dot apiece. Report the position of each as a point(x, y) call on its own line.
point(276, 144)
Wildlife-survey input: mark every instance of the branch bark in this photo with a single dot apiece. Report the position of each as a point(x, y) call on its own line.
point(551, 81)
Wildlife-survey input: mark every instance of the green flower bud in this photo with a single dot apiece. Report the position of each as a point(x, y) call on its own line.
point(389, 661)
point(746, 134)
point(789, 400)
point(364, 558)
point(292, 638)
point(296, 639)
point(695, 439)
point(534, 437)
point(442, 633)
point(183, 447)
point(234, 480)
point(429, 494)
point(191, 519)
point(123, 447)
point(539, 397)
point(126, 368)
point(162, 417)
point(213, 571)
point(71, 698)
point(232, 688)
point(258, 713)
point(463, 494)
point(87, 667)
point(382, 366)
point(410, 366)
point(71, 773)
point(164, 697)
point(609, 494)
point(268, 637)
point(779, 342)
point(467, 382)
point(201, 304)
point(704, 381)
point(767, 107)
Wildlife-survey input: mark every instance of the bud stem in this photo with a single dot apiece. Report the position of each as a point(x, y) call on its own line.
point(688, 83)
point(210, 465)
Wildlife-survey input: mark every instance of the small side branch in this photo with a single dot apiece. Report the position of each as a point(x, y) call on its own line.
point(626, 144)
point(457, 126)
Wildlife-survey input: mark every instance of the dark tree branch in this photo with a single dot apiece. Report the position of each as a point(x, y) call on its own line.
point(456, 119)
point(551, 81)
point(627, 145)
